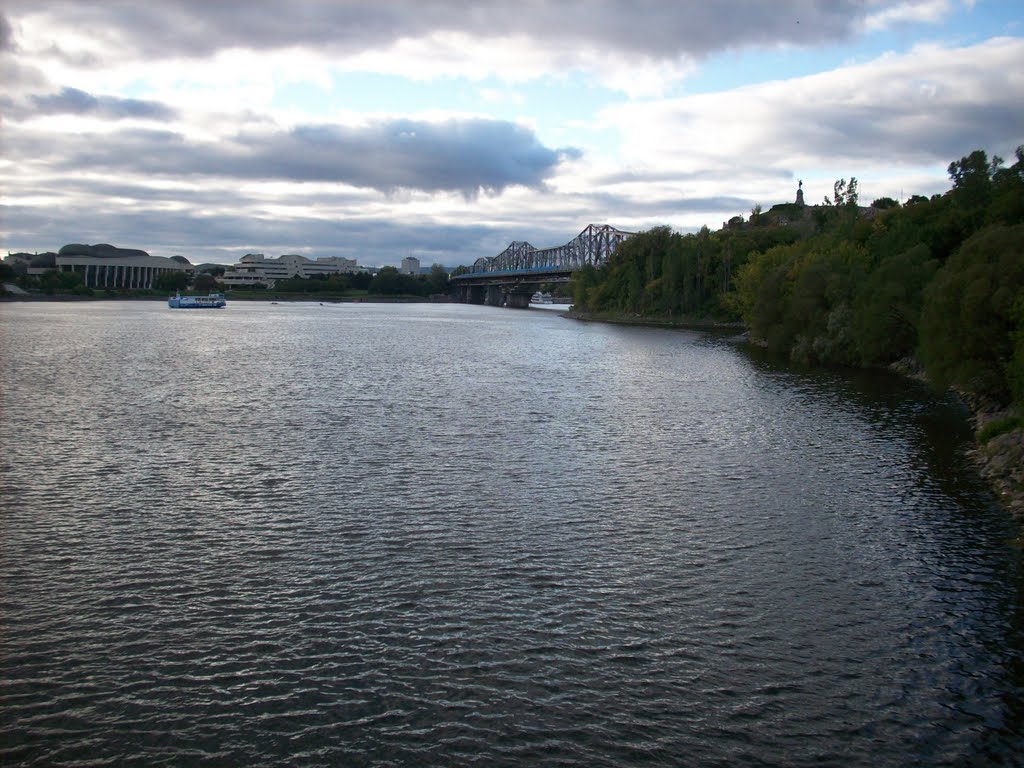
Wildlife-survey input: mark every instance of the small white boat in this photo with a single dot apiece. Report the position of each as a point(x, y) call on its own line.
point(210, 301)
point(541, 298)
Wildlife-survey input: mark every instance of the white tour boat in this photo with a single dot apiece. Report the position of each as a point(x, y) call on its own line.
point(211, 301)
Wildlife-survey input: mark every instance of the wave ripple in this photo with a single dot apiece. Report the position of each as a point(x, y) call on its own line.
point(448, 535)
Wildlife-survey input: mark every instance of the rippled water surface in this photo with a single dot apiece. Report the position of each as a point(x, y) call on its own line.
point(450, 535)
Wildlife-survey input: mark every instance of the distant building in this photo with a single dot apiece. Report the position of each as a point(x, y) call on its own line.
point(257, 269)
point(22, 262)
point(105, 266)
point(410, 266)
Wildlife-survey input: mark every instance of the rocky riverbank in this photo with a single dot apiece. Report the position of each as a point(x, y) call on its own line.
point(999, 455)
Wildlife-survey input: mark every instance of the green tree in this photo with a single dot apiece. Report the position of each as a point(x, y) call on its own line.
point(1007, 201)
point(884, 203)
point(852, 195)
point(360, 281)
point(887, 309)
point(299, 285)
point(205, 283)
point(1016, 367)
point(437, 280)
point(761, 291)
point(57, 281)
point(972, 188)
point(584, 280)
point(171, 281)
point(819, 316)
point(337, 283)
point(970, 321)
point(388, 282)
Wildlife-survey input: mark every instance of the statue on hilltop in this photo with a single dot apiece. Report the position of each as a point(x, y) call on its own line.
point(800, 193)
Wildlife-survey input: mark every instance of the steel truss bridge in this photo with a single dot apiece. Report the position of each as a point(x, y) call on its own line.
point(511, 277)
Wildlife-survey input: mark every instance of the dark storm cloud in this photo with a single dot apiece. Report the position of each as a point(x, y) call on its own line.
point(72, 101)
point(462, 155)
point(653, 28)
point(466, 156)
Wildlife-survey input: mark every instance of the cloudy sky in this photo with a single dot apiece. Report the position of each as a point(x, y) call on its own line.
point(445, 129)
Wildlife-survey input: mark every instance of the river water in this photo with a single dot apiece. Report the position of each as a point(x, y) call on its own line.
point(368, 534)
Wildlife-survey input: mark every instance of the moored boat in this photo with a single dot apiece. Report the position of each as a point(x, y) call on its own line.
point(210, 301)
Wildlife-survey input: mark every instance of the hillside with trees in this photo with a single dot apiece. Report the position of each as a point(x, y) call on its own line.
point(940, 280)
point(932, 285)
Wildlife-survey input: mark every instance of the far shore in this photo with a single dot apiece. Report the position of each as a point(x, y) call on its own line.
point(268, 297)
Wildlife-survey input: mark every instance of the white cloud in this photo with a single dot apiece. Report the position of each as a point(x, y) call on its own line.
point(915, 11)
point(930, 103)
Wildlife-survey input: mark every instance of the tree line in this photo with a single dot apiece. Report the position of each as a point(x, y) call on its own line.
point(937, 279)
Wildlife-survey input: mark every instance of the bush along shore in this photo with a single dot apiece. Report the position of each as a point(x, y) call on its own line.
point(937, 281)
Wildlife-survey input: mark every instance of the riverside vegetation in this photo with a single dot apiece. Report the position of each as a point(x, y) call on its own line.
point(933, 287)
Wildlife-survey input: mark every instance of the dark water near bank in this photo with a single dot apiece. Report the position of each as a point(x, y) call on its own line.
point(451, 535)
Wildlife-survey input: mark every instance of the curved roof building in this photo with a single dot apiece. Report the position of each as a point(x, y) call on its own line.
point(106, 266)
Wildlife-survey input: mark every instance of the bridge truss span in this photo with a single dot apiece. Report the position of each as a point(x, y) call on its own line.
point(593, 246)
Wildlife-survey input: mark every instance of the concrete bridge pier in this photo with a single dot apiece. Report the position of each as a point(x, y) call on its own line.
point(517, 298)
point(470, 294)
point(495, 296)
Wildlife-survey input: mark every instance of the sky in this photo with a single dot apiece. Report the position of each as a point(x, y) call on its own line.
point(445, 130)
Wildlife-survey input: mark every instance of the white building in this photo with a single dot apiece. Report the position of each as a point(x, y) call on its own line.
point(410, 266)
point(257, 269)
point(104, 266)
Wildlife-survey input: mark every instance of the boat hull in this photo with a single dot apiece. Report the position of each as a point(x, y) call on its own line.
point(213, 301)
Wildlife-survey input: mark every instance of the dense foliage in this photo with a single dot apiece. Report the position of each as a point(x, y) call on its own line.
point(663, 273)
point(940, 279)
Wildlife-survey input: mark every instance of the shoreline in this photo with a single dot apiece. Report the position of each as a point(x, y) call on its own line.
point(683, 323)
point(68, 297)
point(999, 459)
point(998, 453)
